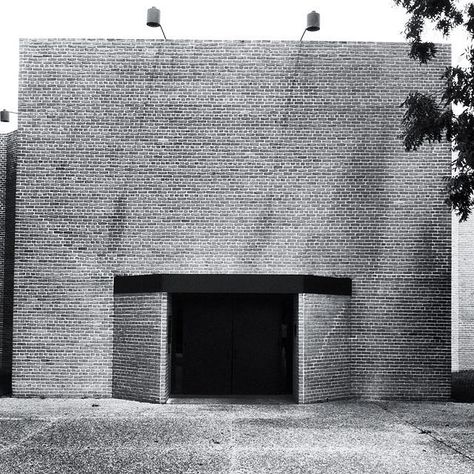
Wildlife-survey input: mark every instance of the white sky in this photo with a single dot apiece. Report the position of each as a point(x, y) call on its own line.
point(341, 20)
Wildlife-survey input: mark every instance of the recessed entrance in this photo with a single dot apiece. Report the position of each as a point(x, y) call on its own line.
point(231, 344)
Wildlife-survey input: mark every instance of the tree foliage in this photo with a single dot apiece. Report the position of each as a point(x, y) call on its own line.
point(428, 120)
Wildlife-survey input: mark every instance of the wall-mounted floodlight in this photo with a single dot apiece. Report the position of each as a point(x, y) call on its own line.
point(312, 23)
point(153, 19)
point(5, 115)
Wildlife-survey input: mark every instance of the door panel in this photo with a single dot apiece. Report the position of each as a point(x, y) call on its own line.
point(227, 344)
point(256, 345)
point(207, 346)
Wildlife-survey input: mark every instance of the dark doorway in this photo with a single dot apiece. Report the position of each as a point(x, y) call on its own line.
point(232, 344)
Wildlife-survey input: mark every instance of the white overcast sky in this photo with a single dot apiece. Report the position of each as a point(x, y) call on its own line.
point(341, 20)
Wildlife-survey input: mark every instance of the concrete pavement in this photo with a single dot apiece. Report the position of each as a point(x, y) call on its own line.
point(117, 436)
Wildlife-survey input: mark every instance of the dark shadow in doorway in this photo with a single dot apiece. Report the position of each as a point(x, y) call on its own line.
point(232, 344)
point(5, 383)
point(462, 386)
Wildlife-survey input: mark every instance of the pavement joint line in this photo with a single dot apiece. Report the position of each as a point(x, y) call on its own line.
point(28, 436)
point(431, 434)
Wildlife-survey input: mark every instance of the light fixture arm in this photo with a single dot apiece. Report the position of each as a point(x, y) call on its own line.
point(163, 31)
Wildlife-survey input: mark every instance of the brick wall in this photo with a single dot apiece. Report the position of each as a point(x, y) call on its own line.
point(141, 157)
point(324, 363)
point(463, 294)
point(140, 360)
point(3, 167)
point(454, 294)
point(8, 144)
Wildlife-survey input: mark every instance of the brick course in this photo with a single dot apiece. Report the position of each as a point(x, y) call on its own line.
point(141, 157)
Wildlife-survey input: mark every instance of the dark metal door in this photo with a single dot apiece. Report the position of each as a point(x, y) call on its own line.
point(207, 345)
point(257, 321)
point(232, 344)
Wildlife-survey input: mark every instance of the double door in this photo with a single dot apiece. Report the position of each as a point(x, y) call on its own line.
point(231, 344)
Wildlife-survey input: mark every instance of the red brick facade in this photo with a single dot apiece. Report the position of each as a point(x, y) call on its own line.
point(149, 157)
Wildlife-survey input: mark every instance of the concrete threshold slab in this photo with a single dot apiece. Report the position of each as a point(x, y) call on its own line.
point(232, 400)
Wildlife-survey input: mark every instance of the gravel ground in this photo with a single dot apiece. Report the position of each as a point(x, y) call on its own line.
point(117, 436)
